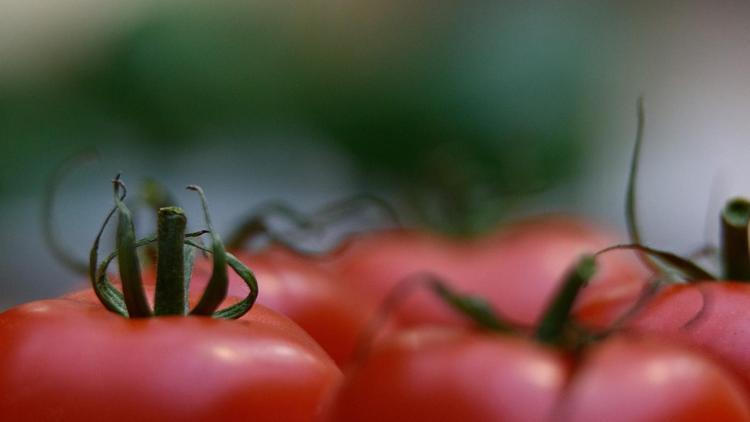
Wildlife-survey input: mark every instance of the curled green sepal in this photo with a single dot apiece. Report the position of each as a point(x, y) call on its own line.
point(107, 294)
point(735, 250)
point(474, 307)
point(216, 289)
point(130, 270)
point(687, 269)
point(556, 318)
point(256, 225)
point(242, 307)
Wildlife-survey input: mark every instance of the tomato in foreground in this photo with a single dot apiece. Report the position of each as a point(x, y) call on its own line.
point(172, 357)
point(64, 359)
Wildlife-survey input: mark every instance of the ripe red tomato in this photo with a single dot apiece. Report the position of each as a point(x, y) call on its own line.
point(453, 374)
point(332, 312)
point(517, 268)
point(710, 316)
point(70, 359)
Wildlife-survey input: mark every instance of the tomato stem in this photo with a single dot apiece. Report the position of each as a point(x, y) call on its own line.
point(170, 296)
point(734, 240)
point(556, 318)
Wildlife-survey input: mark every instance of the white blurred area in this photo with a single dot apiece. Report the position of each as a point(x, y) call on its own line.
point(690, 62)
point(41, 39)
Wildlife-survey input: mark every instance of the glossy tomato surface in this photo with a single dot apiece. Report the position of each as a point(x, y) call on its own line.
point(68, 359)
point(331, 311)
point(443, 374)
point(518, 267)
point(710, 316)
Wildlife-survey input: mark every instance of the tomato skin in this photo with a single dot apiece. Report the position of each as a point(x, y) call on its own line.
point(534, 254)
point(431, 374)
point(644, 380)
point(332, 312)
point(447, 374)
point(710, 316)
point(69, 359)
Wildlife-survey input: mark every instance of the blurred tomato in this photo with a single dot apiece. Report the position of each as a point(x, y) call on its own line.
point(517, 268)
point(453, 374)
point(710, 316)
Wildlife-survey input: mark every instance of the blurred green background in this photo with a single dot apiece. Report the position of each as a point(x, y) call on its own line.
point(461, 113)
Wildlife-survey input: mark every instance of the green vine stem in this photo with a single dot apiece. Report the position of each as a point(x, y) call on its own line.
point(554, 321)
point(475, 308)
point(735, 253)
point(685, 268)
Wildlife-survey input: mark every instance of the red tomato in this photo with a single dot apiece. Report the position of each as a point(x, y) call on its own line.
point(451, 374)
point(332, 312)
point(533, 254)
point(70, 359)
point(711, 316)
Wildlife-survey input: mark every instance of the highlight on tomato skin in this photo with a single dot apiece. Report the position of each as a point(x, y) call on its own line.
point(325, 306)
point(709, 316)
point(452, 374)
point(440, 373)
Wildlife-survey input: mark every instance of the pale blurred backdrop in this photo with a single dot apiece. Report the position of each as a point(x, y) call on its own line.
point(462, 113)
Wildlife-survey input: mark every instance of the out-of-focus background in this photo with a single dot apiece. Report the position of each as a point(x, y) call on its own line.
point(461, 113)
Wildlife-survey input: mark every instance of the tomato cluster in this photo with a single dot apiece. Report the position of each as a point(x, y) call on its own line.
point(546, 321)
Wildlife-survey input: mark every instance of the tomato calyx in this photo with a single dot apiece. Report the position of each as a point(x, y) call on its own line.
point(174, 266)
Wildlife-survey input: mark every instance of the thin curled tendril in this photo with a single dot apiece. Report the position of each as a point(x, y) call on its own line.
point(60, 251)
point(257, 225)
